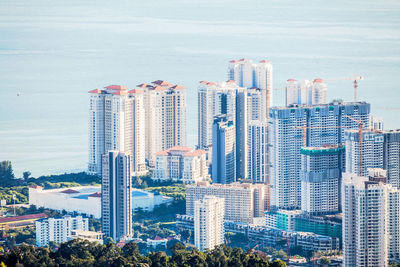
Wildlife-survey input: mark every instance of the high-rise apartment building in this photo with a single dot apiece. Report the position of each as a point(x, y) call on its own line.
point(370, 226)
point(182, 164)
point(116, 194)
point(258, 75)
point(223, 168)
point(321, 172)
point(243, 202)
point(380, 149)
point(306, 93)
point(286, 139)
point(116, 122)
point(165, 109)
point(257, 152)
point(58, 229)
point(209, 222)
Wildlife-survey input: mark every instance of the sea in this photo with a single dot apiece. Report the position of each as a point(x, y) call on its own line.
point(53, 52)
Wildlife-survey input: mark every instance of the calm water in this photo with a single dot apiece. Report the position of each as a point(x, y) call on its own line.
point(53, 52)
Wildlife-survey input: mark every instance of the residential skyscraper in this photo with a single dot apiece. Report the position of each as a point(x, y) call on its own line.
point(258, 75)
point(116, 122)
point(209, 222)
point(258, 147)
point(165, 109)
point(286, 140)
point(306, 93)
point(116, 194)
point(321, 173)
point(370, 220)
point(230, 100)
point(380, 149)
point(224, 151)
point(243, 202)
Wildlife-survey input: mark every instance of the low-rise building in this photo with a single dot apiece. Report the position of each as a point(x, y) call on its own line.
point(58, 229)
point(181, 163)
point(87, 235)
point(87, 199)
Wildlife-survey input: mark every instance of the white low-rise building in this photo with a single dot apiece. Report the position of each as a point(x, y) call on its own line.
point(87, 199)
point(90, 236)
point(181, 163)
point(58, 229)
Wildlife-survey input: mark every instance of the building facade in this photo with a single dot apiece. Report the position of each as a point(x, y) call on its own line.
point(321, 173)
point(286, 139)
point(223, 168)
point(370, 225)
point(209, 222)
point(116, 192)
point(116, 122)
point(306, 93)
point(257, 151)
point(58, 229)
point(165, 109)
point(243, 202)
point(181, 164)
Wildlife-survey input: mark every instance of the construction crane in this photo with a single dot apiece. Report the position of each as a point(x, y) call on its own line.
point(360, 137)
point(355, 78)
point(313, 127)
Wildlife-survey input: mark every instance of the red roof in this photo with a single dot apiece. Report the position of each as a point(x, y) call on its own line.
point(143, 85)
point(117, 87)
point(95, 91)
point(158, 238)
point(211, 83)
point(243, 59)
point(233, 61)
point(195, 153)
point(265, 61)
point(36, 186)
point(97, 194)
point(24, 217)
point(136, 91)
point(163, 83)
point(120, 93)
point(292, 80)
point(230, 81)
point(161, 153)
point(69, 191)
point(158, 88)
point(177, 87)
point(318, 80)
point(203, 82)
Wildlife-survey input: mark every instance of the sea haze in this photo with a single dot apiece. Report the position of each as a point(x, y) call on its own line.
point(53, 52)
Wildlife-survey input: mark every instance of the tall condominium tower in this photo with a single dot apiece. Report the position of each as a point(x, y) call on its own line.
point(321, 172)
point(258, 145)
point(116, 193)
point(380, 149)
point(286, 139)
point(224, 151)
point(370, 220)
point(230, 100)
point(243, 201)
point(307, 92)
point(165, 109)
point(258, 75)
point(209, 222)
point(116, 122)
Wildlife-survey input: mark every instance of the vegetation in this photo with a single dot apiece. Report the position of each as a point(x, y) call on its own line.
point(84, 253)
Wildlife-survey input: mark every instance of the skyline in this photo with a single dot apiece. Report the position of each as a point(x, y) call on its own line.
point(72, 51)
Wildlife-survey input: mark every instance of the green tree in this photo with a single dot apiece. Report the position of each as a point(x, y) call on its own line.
point(278, 263)
point(185, 235)
point(324, 261)
point(26, 175)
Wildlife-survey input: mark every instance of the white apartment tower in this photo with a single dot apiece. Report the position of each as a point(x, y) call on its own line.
point(116, 122)
point(181, 164)
point(116, 194)
point(370, 220)
point(243, 202)
point(286, 139)
point(165, 109)
point(258, 75)
point(257, 152)
point(209, 222)
point(58, 229)
point(306, 93)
